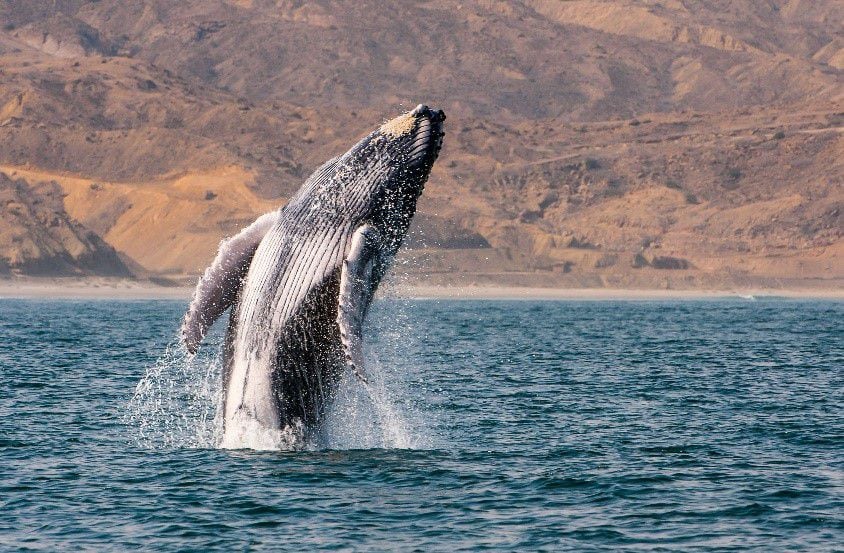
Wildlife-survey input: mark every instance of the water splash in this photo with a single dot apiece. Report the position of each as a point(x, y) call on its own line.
point(245, 432)
point(179, 404)
point(178, 401)
point(372, 416)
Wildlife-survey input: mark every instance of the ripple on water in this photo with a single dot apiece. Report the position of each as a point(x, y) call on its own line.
point(581, 426)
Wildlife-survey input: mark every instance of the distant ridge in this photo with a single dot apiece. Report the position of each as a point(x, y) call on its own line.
point(633, 143)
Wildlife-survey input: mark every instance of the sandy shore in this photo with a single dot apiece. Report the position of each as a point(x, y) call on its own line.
point(105, 289)
point(138, 290)
point(510, 293)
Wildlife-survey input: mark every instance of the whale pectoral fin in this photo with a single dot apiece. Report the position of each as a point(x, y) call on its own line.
point(219, 286)
point(356, 290)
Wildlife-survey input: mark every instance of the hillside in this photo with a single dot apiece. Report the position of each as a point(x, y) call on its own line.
point(37, 237)
point(590, 143)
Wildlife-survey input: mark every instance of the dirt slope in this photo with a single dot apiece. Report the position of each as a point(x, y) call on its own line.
point(590, 143)
point(37, 237)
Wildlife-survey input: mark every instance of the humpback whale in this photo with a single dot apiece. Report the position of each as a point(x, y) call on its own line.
point(299, 281)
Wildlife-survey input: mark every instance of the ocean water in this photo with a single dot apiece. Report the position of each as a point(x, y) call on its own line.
point(559, 426)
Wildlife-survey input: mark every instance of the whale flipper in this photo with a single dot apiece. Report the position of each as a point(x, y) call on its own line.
point(219, 286)
point(356, 290)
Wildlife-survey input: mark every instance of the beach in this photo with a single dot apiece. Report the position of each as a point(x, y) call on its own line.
point(125, 289)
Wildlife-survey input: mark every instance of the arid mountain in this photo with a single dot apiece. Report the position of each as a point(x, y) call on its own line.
point(590, 143)
point(37, 237)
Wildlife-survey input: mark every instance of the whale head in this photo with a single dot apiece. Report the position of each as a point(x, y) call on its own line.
point(384, 174)
point(413, 139)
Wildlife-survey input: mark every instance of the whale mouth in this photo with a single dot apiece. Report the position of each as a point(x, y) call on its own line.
point(428, 135)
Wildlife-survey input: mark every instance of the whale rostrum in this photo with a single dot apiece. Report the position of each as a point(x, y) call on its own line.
point(299, 281)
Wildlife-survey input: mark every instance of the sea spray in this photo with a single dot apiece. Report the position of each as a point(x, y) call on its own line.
point(178, 403)
point(372, 416)
point(392, 411)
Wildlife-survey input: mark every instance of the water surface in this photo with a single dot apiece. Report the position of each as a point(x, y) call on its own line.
point(581, 426)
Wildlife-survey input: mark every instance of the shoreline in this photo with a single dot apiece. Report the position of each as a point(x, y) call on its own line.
point(606, 294)
point(105, 289)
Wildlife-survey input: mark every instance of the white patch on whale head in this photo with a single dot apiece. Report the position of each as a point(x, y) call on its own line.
point(399, 126)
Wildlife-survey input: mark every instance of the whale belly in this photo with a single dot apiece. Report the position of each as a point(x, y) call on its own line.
point(278, 378)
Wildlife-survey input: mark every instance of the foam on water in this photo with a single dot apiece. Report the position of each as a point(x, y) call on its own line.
point(245, 432)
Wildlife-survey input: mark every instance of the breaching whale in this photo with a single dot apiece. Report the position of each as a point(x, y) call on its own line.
point(299, 282)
